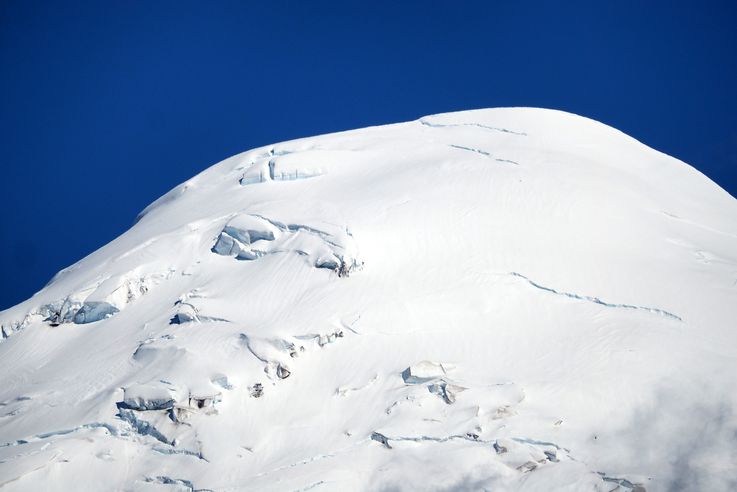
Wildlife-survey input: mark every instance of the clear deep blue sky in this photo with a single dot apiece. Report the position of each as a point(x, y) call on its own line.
point(104, 106)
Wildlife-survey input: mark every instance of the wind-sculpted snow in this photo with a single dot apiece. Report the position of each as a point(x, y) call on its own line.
point(338, 313)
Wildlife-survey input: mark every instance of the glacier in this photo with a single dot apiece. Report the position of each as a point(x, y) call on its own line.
point(498, 299)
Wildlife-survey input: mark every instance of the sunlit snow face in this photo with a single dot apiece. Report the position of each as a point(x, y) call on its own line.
point(496, 299)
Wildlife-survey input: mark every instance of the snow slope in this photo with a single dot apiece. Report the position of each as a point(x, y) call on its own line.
point(508, 299)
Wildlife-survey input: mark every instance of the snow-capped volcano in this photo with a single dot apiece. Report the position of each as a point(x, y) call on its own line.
point(502, 299)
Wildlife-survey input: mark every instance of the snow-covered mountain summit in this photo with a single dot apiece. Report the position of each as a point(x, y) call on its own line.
point(503, 299)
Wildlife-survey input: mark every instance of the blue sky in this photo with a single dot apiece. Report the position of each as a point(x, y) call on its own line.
point(107, 105)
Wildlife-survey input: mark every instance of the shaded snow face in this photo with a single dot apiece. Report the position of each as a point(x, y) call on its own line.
point(509, 299)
